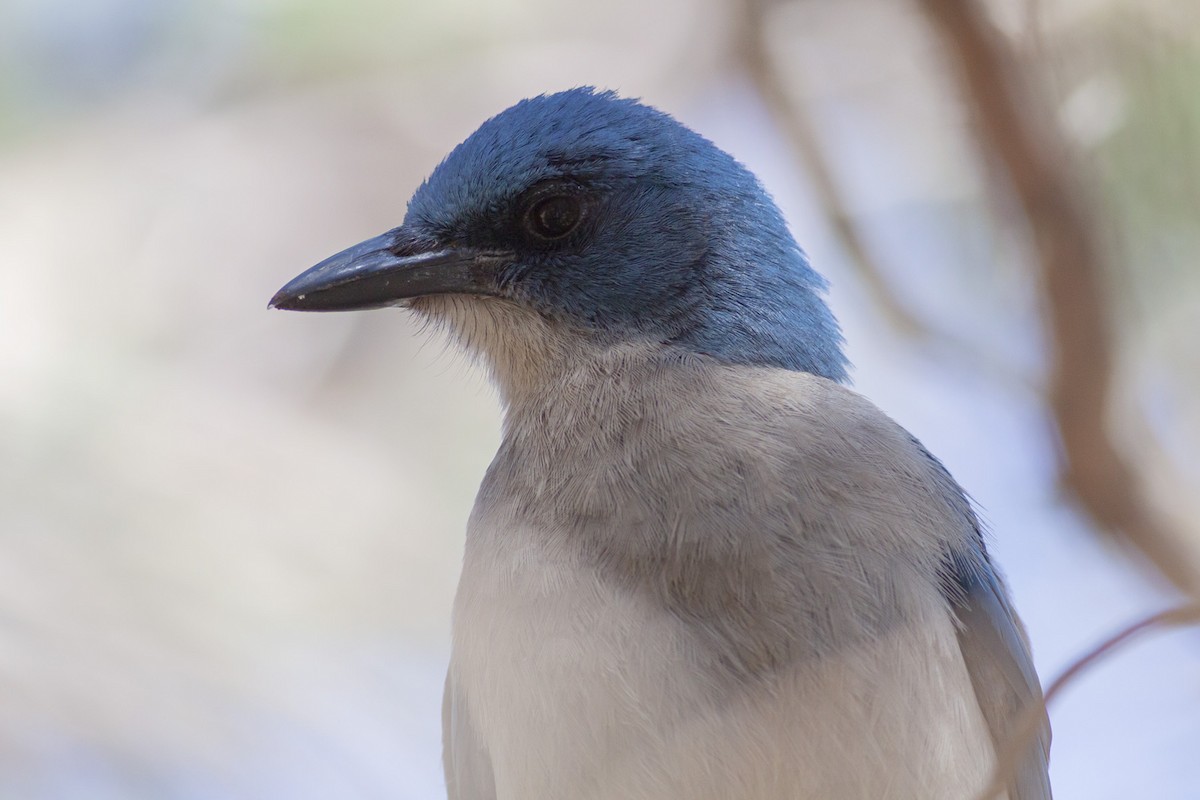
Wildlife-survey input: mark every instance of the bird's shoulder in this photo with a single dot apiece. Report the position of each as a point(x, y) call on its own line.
point(791, 473)
point(640, 398)
point(668, 424)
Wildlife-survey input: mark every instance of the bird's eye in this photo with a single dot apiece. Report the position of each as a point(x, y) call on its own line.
point(554, 217)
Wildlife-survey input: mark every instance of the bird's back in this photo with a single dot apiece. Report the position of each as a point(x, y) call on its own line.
point(688, 580)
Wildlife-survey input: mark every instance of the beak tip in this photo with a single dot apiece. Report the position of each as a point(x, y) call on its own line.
point(288, 299)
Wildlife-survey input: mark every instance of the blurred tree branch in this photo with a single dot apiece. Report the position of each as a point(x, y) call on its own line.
point(792, 118)
point(1018, 126)
point(779, 94)
point(1008, 758)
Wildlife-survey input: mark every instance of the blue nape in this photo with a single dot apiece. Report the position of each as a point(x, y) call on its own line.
point(679, 242)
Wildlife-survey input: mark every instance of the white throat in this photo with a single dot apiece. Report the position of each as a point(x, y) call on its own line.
point(523, 351)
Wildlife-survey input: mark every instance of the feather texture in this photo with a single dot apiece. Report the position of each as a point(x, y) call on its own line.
point(685, 579)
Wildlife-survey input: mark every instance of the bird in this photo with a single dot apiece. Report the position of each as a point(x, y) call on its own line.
point(700, 565)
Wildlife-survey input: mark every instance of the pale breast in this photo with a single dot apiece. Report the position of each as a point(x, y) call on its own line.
point(682, 582)
point(580, 690)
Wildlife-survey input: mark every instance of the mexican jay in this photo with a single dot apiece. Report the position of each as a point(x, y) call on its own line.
point(699, 567)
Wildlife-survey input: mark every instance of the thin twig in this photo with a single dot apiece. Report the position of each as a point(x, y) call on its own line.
point(1009, 757)
point(794, 121)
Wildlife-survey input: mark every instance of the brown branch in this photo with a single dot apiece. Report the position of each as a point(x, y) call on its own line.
point(1018, 126)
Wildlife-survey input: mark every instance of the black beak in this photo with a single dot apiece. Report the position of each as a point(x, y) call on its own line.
point(387, 269)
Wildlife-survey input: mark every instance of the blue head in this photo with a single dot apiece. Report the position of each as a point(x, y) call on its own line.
point(608, 216)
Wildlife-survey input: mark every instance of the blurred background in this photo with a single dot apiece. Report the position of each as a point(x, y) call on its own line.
point(229, 537)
